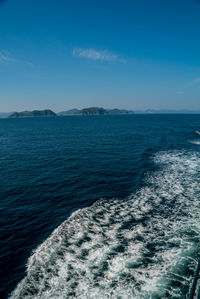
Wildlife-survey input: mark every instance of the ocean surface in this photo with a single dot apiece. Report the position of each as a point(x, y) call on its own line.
point(99, 206)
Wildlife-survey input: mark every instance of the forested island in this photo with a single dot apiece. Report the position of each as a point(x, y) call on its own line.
point(34, 113)
point(95, 111)
point(85, 111)
point(92, 111)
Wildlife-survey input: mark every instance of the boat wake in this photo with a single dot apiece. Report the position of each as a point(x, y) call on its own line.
point(140, 247)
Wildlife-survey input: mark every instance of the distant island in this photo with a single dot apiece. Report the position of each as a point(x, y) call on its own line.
point(34, 113)
point(95, 111)
point(116, 111)
point(92, 111)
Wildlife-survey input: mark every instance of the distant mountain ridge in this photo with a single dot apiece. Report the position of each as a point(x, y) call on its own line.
point(34, 113)
point(167, 111)
point(116, 111)
point(92, 111)
point(95, 111)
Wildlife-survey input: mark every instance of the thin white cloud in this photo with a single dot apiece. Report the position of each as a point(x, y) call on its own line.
point(95, 54)
point(196, 80)
point(190, 84)
point(6, 56)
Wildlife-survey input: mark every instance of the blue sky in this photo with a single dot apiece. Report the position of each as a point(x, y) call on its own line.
point(135, 54)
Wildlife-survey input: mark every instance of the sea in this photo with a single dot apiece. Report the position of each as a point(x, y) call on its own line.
point(99, 206)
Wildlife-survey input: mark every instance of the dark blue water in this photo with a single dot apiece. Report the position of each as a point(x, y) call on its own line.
point(135, 179)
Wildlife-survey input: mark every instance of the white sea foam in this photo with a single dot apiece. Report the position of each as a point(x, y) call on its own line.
point(141, 247)
point(195, 141)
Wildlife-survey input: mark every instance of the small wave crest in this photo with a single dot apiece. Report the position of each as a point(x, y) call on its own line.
point(141, 247)
point(195, 141)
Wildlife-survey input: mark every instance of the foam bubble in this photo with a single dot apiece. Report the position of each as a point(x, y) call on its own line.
point(140, 247)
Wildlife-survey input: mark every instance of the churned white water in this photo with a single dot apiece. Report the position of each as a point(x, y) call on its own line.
point(144, 246)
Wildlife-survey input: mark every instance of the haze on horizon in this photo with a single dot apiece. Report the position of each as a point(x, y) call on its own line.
point(125, 54)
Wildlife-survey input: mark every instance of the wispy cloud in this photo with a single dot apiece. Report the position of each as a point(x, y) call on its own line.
point(190, 84)
point(6, 57)
point(193, 83)
point(196, 80)
point(95, 54)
